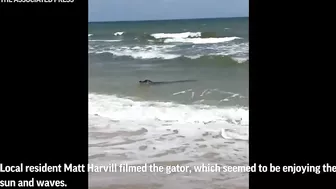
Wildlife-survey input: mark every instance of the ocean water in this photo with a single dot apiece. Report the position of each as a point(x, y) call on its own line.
point(190, 123)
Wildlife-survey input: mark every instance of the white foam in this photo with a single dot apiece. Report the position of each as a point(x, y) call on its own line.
point(144, 52)
point(103, 40)
point(190, 37)
point(176, 35)
point(194, 57)
point(238, 52)
point(200, 40)
point(233, 135)
point(240, 59)
point(90, 34)
point(182, 92)
point(118, 33)
point(129, 131)
point(145, 55)
point(116, 108)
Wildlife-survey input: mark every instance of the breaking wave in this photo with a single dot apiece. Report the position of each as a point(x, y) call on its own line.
point(217, 59)
point(117, 108)
point(184, 37)
point(201, 40)
point(118, 33)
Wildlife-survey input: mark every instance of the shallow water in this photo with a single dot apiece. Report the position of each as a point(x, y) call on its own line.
point(190, 123)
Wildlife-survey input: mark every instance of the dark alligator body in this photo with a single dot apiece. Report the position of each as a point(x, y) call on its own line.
point(149, 82)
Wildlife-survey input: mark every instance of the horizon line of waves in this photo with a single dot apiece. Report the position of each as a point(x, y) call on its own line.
point(145, 55)
point(200, 40)
point(167, 35)
point(233, 49)
point(195, 41)
point(208, 34)
point(162, 37)
point(120, 108)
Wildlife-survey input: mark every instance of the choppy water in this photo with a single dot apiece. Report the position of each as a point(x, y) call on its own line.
point(172, 123)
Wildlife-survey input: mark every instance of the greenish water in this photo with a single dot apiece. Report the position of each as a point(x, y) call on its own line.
point(212, 51)
point(192, 123)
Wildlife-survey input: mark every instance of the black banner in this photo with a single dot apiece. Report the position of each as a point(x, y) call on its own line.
point(44, 81)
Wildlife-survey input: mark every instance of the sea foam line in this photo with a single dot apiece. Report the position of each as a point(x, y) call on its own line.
point(117, 108)
point(200, 40)
point(176, 35)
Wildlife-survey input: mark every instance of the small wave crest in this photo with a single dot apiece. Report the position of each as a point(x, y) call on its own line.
point(118, 33)
point(137, 52)
point(176, 35)
point(193, 37)
point(185, 35)
point(225, 60)
point(201, 40)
